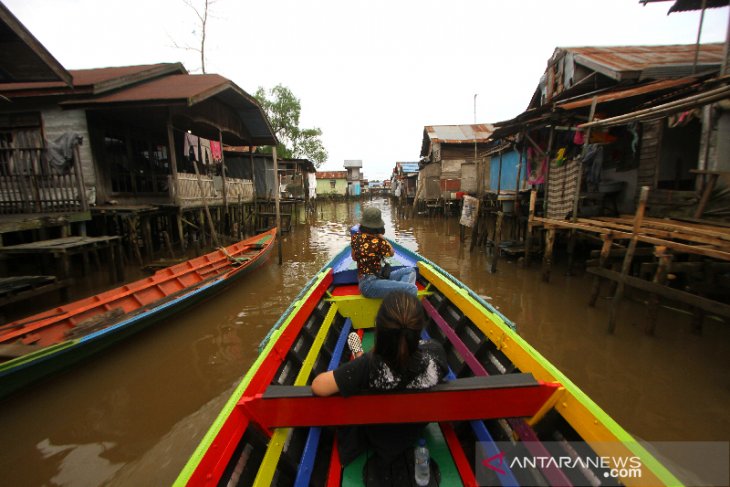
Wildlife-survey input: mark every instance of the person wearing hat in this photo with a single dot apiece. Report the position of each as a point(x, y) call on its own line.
point(369, 249)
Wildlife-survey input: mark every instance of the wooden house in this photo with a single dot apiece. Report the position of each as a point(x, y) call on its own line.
point(150, 137)
point(664, 148)
point(332, 184)
point(628, 146)
point(404, 180)
point(354, 177)
point(450, 156)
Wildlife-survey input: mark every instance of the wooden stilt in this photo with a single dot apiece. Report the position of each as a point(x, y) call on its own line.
point(147, 236)
point(638, 218)
point(547, 258)
point(497, 239)
point(660, 277)
point(180, 231)
point(605, 252)
point(134, 239)
point(528, 232)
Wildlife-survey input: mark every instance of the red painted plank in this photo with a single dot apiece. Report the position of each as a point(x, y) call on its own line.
point(334, 473)
point(216, 458)
point(463, 465)
point(415, 407)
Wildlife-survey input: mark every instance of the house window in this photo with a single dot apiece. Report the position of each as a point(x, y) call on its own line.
point(20, 134)
point(136, 164)
point(333, 183)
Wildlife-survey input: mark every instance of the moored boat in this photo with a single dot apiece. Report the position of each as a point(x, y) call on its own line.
point(36, 346)
point(506, 416)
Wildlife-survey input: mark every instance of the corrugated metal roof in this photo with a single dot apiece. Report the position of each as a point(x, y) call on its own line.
point(458, 134)
point(332, 175)
point(632, 62)
point(620, 94)
point(97, 80)
point(188, 87)
point(685, 5)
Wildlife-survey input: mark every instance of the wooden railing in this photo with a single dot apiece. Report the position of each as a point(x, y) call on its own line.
point(30, 184)
point(186, 191)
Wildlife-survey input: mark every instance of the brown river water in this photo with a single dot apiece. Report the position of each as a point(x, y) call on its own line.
point(133, 415)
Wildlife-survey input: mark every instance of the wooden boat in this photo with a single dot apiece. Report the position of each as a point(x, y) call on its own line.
point(38, 345)
point(273, 431)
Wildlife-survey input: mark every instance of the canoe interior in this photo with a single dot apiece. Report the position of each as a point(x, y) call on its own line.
point(309, 339)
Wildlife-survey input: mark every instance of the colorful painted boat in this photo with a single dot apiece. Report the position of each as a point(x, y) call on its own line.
point(36, 346)
point(505, 408)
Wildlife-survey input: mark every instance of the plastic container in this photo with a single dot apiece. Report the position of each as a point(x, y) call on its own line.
point(422, 460)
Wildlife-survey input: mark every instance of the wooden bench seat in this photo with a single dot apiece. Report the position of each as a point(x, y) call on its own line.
point(502, 396)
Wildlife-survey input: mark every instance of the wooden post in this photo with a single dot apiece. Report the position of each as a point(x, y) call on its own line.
point(547, 258)
point(211, 225)
point(497, 239)
point(223, 174)
point(172, 161)
point(660, 278)
point(546, 181)
point(276, 202)
point(605, 252)
point(180, 230)
point(638, 218)
point(579, 180)
point(528, 234)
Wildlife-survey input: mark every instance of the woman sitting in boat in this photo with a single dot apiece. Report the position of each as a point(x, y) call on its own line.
point(399, 360)
point(369, 249)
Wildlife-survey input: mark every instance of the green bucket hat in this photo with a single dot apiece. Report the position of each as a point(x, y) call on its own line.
point(371, 218)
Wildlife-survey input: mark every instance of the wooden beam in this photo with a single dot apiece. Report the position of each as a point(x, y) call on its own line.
point(715, 307)
point(643, 197)
point(502, 396)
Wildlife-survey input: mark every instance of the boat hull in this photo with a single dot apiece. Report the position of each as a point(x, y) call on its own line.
point(24, 370)
point(258, 442)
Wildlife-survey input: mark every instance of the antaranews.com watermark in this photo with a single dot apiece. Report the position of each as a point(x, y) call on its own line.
point(578, 463)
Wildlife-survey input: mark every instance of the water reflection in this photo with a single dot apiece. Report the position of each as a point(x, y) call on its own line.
point(79, 465)
point(137, 411)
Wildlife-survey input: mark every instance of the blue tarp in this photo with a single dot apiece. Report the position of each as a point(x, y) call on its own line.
point(509, 171)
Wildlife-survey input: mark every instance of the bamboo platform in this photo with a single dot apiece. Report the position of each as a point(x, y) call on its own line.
point(700, 240)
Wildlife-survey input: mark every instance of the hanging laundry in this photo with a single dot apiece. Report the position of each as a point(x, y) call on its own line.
point(535, 175)
point(579, 137)
point(190, 148)
point(215, 149)
point(206, 157)
point(683, 118)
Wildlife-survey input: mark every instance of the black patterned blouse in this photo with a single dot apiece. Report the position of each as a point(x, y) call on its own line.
point(368, 250)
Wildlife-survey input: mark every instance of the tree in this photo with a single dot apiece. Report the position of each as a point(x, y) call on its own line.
point(283, 110)
point(202, 15)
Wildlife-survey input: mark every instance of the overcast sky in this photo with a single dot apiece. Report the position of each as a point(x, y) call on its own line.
point(369, 74)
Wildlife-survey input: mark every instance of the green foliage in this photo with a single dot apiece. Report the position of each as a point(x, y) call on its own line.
point(283, 110)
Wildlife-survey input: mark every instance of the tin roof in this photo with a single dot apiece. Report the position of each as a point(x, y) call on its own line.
point(639, 62)
point(454, 134)
point(95, 81)
point(623, 93)
point(23, 57)
point(458, 134)
point(151, 85)
point(686, 5)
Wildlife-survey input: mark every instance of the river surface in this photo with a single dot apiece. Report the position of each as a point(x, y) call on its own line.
point(133, 415)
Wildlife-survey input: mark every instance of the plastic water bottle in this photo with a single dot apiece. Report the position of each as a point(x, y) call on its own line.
point(423, 473)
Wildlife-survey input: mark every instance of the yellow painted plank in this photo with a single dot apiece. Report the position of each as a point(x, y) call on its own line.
point(278, 439)
point(585, 416)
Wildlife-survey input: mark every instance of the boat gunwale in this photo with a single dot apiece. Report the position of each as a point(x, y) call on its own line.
point(47, 318)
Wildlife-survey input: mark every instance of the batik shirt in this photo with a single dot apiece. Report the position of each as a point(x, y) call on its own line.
point(368, 250)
